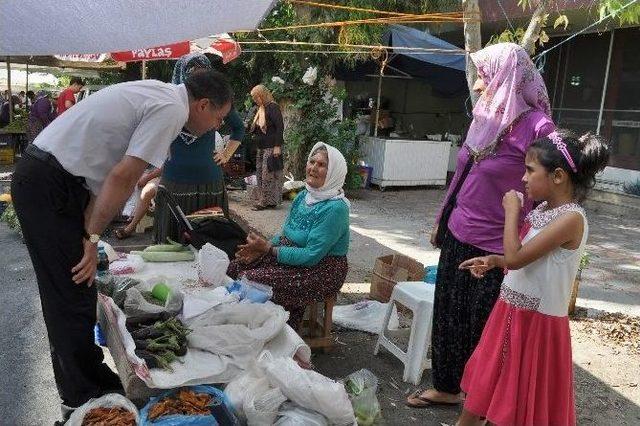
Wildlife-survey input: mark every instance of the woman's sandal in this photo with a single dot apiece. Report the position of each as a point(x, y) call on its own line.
point(122, 234)
point(424, 402)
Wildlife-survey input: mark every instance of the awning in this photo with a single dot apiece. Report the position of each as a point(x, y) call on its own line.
point(447, 55)
point(92, 26)
point(443, 68)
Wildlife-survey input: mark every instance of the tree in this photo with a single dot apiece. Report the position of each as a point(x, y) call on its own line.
point(472, 41)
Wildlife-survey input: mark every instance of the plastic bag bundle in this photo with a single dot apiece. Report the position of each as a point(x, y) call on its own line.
point(136, 306)
point(111, 400)
point(308, 389)
point(212, 266)
point(261, 403)
point(366, 315)
point(236, 391)
point(250, 292)
point(291, 414)
point(361, 387)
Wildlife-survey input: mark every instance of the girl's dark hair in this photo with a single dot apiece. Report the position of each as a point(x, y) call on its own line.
point(211, 85)
point(589, 153)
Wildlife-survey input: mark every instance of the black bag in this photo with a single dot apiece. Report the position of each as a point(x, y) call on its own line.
point(275, 163)
point(447, 209)
point(222, 232)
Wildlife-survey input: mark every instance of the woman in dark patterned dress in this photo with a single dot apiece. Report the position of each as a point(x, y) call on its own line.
point(307, 261)
point(267, 130)
point(512, 112)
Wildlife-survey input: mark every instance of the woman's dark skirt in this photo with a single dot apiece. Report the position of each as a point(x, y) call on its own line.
point(461, 308)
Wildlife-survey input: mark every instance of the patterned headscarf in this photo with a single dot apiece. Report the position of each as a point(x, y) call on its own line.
point(513, 87)
point(186, 64)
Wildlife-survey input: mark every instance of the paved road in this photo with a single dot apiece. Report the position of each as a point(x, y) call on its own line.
point(28, 394)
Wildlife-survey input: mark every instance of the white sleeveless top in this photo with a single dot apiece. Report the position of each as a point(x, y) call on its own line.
point(545, 285)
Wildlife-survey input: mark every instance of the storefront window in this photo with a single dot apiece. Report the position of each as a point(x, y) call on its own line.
point(575, 75)
point(621, 116)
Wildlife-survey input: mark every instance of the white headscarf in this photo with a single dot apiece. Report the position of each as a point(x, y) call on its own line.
point(333, 183)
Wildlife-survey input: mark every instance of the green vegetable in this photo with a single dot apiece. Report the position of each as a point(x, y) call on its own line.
point(161, 292)
point(164, 248)
point(166, 256)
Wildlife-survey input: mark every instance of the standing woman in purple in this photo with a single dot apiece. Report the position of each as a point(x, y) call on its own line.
point(512, 111)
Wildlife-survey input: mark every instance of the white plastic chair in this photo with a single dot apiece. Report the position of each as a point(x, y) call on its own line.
point(417, 296)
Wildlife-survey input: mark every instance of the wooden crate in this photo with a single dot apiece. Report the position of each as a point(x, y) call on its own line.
point(390, 270)
point(7, 155)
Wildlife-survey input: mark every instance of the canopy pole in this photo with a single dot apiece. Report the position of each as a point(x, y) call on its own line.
point(26, 89)
point(606, 81)
point(382, 66)
point(144, 69)
point(9, 89)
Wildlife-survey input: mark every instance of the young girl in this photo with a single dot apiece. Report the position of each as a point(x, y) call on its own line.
point(521, 371)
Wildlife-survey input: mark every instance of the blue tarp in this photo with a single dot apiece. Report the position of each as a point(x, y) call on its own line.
point(445, 71)
point(401, 36)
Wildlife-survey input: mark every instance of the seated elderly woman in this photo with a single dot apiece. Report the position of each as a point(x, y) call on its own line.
point(307, 261)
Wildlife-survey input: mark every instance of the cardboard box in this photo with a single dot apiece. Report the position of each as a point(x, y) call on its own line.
point(390, 270)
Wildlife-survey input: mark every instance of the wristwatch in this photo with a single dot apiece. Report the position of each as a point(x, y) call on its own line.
point(93, 238)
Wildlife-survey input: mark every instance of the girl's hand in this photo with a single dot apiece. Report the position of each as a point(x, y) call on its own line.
point(478, 266)
point(512, 201)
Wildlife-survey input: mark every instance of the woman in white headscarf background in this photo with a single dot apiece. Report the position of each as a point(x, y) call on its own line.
point(307, 260)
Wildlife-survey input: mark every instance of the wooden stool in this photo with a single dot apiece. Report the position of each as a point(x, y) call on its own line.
point(318, 330)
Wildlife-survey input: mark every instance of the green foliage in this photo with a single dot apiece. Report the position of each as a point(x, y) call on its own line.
point(10, 217)
point(629, 15)
point(584, 261)
point(311, 114)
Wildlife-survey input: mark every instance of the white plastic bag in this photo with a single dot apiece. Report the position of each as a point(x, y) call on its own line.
point(107, 401)
point(292, 415)
point(308, 389)
point(135, 305)
point(132, 264)
point(212, 266)
point(367, 315)
point(236, 391)
point(261, 403)
point(361, 386)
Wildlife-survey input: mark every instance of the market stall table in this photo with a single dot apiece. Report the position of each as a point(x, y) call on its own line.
point(200, 366)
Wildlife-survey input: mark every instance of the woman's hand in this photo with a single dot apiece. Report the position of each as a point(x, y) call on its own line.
point(512, 201)
point(478, 266)
point(277, 150)
point(434, 234)
point(220, 159)
point(254, 249)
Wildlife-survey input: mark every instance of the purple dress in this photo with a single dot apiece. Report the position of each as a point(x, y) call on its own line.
point(478, 218)
point(40, 115)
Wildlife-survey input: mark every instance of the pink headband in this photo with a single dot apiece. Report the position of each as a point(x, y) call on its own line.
point(562, 147)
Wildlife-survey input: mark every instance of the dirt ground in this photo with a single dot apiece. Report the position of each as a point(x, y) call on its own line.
point(606, 359)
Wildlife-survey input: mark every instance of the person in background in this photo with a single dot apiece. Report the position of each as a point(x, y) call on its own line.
point(268, 132)
point(192, 172)
point(307, 261)
point(67, 97)
point(5, 117)
point(40, 115)
point(512, 112)
point(521, 372)
point(73, 180)
point(23, 97)
point(31, 98)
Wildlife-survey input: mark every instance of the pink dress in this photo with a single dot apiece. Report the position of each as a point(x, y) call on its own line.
point(521, 372)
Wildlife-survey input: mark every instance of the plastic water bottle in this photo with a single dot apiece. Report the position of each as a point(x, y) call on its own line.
point(103, 261)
